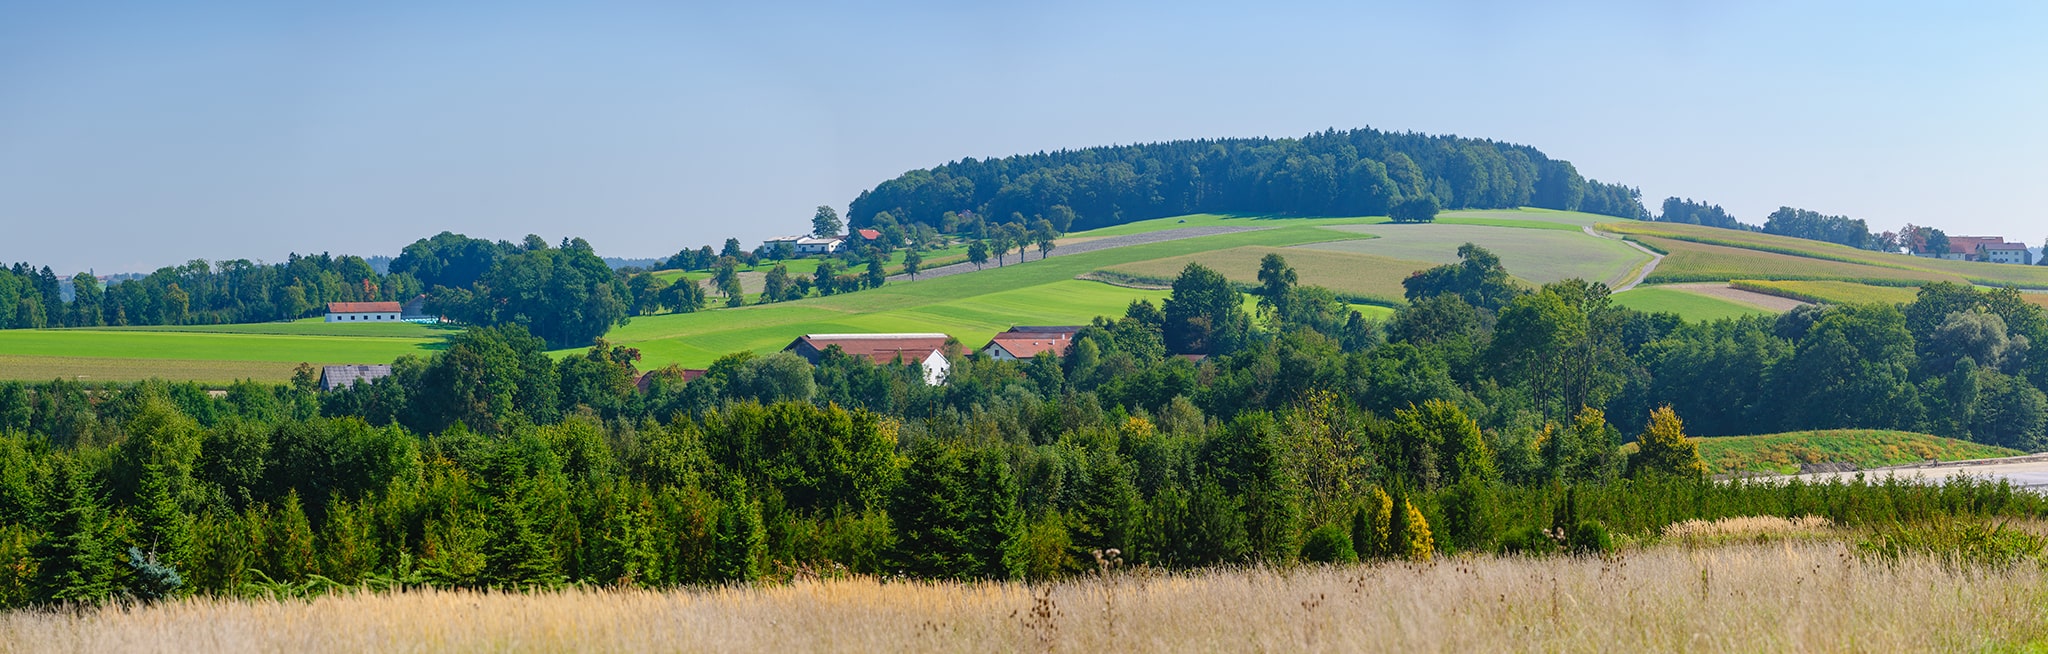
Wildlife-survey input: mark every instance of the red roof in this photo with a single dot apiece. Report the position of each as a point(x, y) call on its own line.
point(1025, 347)
point(880, 348)
point(870, 234)
point(363, 307)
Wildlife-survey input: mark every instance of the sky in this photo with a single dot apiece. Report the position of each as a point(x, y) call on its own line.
point(139, 135)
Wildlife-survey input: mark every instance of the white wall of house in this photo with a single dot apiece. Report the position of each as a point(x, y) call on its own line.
point(935, 368)
point(363, 317)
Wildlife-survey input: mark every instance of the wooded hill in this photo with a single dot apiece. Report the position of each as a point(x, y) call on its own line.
point(1330, 173)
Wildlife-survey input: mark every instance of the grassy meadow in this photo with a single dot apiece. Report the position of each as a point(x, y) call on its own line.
point(128, 355)
point(1867, 448)
point(1754, 585)
point(1537, 255)
point(1363, 276)
point(1690, 305)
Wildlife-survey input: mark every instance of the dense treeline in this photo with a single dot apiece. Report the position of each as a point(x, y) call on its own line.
point(567, 296)
point(1697, 213)
point(1357, 172)
point(1484, 416)
point(197, 293)
point(1812, 225)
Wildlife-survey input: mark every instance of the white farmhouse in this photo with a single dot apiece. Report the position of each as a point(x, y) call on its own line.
point(364, 311)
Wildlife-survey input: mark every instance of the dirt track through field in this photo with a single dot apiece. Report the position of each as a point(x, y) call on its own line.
point(1723, 291)
point(1091, 245)
point(1644, 272)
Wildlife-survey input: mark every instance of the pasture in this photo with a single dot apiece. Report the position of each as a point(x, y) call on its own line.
point(1687, 304)
point(1537, 255)
point(304, 327)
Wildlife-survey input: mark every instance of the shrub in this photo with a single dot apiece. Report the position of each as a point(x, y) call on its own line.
point(1954, 543)
point(1590, 537)
point(1329, 544)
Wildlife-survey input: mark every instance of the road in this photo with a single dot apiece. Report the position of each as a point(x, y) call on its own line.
point(2029, 471)
point(1647, 268)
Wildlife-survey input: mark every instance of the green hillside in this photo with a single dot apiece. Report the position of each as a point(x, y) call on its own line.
point(1363, 258)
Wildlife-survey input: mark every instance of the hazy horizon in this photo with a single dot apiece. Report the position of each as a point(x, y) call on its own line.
point(134, 136)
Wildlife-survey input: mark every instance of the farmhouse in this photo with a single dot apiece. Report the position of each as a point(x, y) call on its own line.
point(364, 311)
point(815, 245)
point(338, 377)
point(1027, 341)
point(926, 350)
point(1991, 249)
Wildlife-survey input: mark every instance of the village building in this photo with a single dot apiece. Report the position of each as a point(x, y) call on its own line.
point(364, 311)
point(339, 377)
point(928, 351)
point(2013, 253)
point(1024, 342)
point(816, 245)
point(1989, 249)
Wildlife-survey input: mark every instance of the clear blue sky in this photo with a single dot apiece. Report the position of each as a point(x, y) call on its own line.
point(139, 135)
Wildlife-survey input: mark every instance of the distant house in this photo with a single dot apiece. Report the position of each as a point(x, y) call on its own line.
point(926, 350)
point(1990, 249)
point(769, 245)
point(364, 311)
point(339, 377)
point(646, 380)
point(816, 245)
point(865, 235)
point(1026, 342)
point(2005, 252)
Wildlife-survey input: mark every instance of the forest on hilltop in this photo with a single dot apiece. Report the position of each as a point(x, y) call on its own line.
point(1329, 173)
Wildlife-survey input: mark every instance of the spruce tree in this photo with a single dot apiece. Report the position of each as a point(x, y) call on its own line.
point(163, 530)
point(993, 522)
point(78, 561)
point(521, 554)
point(926, 511)
point(1371, 524)
point(742, 539)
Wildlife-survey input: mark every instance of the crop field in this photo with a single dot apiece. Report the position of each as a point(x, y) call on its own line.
point(1864, 447)
point(809, 266)
point(1687, 304)
point(1830, 292)
point(304, 327)
point(1700, 262)
point(1990, 274)
point(1035, 292)
point(44, 354)
point(1362, 276)
point(1540, 256)
point(1750, 585)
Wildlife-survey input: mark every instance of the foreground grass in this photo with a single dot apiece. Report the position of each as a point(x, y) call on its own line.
point(1867, 448)
point(1787, 595)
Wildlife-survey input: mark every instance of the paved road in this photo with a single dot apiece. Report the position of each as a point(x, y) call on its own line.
point(2029, 471)
point(1091, 245)
point(1647, 268)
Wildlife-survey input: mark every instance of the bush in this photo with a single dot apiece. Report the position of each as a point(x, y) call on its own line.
point(1590, 537)
point(1329, 544)
point(1534, 541)
point(1954, 543)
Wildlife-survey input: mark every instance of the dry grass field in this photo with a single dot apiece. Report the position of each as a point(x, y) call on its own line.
point(1764, 585)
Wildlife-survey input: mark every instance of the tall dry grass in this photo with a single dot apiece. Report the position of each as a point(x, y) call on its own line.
point(1785, 596)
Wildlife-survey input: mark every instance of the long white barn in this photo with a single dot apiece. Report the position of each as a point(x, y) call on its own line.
point(363, 311)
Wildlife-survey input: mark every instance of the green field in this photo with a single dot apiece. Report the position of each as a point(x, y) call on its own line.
point(1689, 305)
point(1367, 277)
point(1864, 447)
point(1689, 261)
point(809, 265)
point(971, 307)
point(42, 354)
point(1540, 256)
point(1831, 292)
point(305, 327)
point(1903, 266)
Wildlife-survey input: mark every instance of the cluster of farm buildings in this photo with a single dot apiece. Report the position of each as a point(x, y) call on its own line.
point(932, 353)
point(805, 245)
point(1988, 249)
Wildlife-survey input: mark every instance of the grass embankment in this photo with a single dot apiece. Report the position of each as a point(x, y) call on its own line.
point(1783, 595)
point(1866, 448)
point(1903, 266)
point(1687, 304)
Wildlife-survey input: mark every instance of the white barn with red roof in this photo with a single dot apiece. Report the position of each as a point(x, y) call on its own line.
point(364, 311)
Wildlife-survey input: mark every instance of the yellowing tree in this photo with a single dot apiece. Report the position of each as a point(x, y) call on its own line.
point(1664, 450)
point(1415, 542)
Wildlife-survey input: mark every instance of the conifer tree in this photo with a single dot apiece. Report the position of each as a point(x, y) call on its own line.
point(993, 523)
point(163, 530)
point(1371, 524)
point(288, 541)
point(1664, 450)
point(521, 554)
point(77, 560)
point(742, 538)
point(1105, 508)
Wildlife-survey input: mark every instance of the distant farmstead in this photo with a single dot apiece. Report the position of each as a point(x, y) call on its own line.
point(1028, 341)
point(364, 311)
point(926, 350)
point(339, 377)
